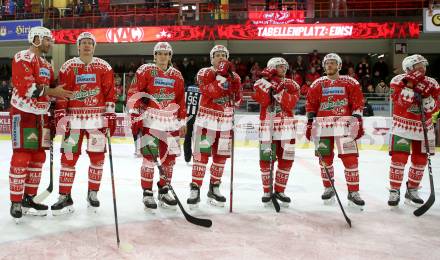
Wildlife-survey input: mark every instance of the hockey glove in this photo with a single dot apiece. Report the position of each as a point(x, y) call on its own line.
point(360, 126)
point(413, 78)
point(423, 88)
point(310, 118)
point(224, 68)
point(268, 73)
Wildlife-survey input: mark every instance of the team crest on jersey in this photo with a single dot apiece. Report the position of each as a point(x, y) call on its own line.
point(45, 73)
point(333, 91)
point(84, 94)
point(153, 73)
point(75, 71)
point(164, 82)
point(85, 78)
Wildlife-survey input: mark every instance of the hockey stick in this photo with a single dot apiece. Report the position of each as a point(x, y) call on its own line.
point(125, 247)
point(331, 182)
point(232, 162)
point(425, 207)
point(271, 115)
point(40, 198)
point(194, 220)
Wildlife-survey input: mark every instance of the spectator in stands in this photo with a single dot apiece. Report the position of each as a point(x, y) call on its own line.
point(368, 109)
point(247, 84)
point(312, 75)
point(365, 82)
point(363, 68)
point(305, 88)
point(255, 72)
point(346, 63)
point(119, 68)
point(4, 94)
point(371, 92)
point(241, 68)
point(382, 89)
point(300, 66)
point(297, 77)
point(315, 61)
point(335, 5)
point(205, 62)
point(352, 73)
point(104, 9)
point(189, 71)
point(380, 69)
point(5, 72)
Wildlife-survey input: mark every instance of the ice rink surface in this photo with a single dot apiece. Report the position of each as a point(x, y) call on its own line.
point(306, 230)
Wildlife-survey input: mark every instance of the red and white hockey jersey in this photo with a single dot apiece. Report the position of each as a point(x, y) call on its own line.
point(30, 72)
point(284, 124)
point(406, 110)
point(219, 96)
point(334, 102)
point(93, 89)
point(161, 94)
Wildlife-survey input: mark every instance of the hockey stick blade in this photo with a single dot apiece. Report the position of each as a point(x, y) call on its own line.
point(191, 219)
point(276, 204)
point(425, 207)
point(41, 197)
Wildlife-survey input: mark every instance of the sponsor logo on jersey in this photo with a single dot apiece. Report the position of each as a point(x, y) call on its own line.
point(83, 94)
point(333, 91)
point(193, 88)
point(164, 82)
point(415, 109)
point(44, 73)
point(162, 96)
point(403, 142)
point(85, 78)
point(16, 142)
point(333, 105)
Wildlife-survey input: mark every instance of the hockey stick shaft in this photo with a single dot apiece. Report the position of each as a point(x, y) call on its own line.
point(425, 207)
point(231, 188)
point(196, 221)
point(115, 210)
point(40, 198)
point(275, 203)
point(327, 173)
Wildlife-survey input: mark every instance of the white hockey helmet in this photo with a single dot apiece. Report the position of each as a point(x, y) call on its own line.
point(274, 62)
point(409, 62)
point(40, 32)
point(332, 56)
point(86, 35)
point(162, 46)
point(218, 48)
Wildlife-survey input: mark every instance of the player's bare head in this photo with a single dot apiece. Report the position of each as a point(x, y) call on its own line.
point(163, 52)
point(332, 63)
point(86, 43)
point(414, 62)
point(280, 64)
point(218, 53)
point(40, 37)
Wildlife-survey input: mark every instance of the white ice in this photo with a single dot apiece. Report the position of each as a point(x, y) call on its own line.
point(306, 230)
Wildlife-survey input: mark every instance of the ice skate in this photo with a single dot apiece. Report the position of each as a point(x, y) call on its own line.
point(194, 196)
point(16, 212)
point(148, 200)
point(214, 196)
point(63, 206)
point(266, 198)
point(166, 199)
point(285, 201)
point(412, 197)
point(394, 198)
point(355, 200)
point(328, 196)
point(92, 200)
point(29, 207)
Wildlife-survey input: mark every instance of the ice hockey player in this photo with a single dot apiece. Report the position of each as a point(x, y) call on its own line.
point(162, 87)
point(31, 77)
point(221, 92)
point(90, 113)
point(192, 97)
point(334, 108)
point(411, 91)
point(277, 96)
